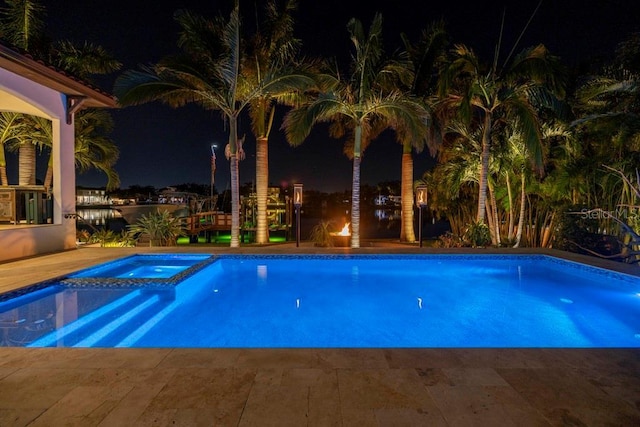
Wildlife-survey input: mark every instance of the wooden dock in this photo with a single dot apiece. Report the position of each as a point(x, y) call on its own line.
point(209, 222)
point(206, 221)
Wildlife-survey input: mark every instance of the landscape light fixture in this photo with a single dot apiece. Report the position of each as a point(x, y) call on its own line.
point(421, 202)
point(297, 202)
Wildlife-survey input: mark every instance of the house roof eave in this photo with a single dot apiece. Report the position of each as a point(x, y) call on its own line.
point(39, 72)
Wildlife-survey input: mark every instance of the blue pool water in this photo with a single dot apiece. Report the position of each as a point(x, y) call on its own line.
point(340, 301)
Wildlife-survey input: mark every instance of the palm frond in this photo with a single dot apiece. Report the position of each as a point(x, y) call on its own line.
point(23, 21)
point(538, 65)
point(83, 60)
point(199, 37)
point(528, 125)
point(230, 65)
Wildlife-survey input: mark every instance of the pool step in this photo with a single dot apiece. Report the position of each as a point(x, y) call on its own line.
point(91, 328)
point(123, 320)
point(131, 339)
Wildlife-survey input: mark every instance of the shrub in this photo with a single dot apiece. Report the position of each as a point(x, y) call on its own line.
point(576, 229)
point(108, 238)
point(477, 235)
point(320, 235)
point(162, 227)
point(449, 240)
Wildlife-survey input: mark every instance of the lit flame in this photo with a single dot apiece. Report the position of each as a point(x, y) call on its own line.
point(345, 230)
point(297, 197)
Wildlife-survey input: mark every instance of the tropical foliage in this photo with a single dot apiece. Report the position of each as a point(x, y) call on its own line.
point(548, 171)
point(272, 75)
point(488, 102)
point(521, 161)
point(22, 24)
point(321, 235)
point(212, 72)
point(425, 57)
point(162, 228)
point(361, 106)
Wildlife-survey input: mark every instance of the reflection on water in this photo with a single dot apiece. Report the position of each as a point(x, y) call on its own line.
point(387, 214)
point(381, 224)
point(99, 218)
point(374, 224)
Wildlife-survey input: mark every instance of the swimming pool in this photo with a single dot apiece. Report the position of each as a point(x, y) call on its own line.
point(340, 301)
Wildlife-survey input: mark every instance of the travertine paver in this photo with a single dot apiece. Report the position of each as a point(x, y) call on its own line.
point(327, 387)
point(485, 405)
point(132, 406)
point(39, 388)
point(366, 394)
point(299, 396)
point(315, 387)
point(565, 396)
point(84, 405)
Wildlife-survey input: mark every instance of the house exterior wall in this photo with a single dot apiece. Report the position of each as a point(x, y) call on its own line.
point(22, 95)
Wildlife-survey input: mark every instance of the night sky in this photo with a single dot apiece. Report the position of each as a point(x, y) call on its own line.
point(161, 146)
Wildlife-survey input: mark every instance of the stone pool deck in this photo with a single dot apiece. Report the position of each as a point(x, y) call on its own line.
point(314, 387)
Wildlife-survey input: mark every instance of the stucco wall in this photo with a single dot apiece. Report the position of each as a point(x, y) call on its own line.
point(22, 95)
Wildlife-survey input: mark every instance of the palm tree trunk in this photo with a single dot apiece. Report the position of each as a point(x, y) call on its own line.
point(355, 204)
point(27, 164)
point(235, 187)
point(511, 215)
point(496, 219)
point(48, 178)
point(407, 233)
point(490, 220)
point(355, 188)
point(484, 167)
point(4, 181)
point(522, 207)
point(262, 184)
point(546, 235)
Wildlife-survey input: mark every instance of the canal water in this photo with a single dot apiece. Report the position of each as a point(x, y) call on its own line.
point(374, 224)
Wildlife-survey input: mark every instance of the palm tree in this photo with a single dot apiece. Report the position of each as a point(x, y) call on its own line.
point(92, 149)
point(424, 56)
point(271, 59)
point(361, 105)
point(12, 130)
point(509, 95)
point(207, 73)
point(22, 24)
point(37, 135)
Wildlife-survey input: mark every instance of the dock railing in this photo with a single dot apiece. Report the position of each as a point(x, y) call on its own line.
point(206, 221)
